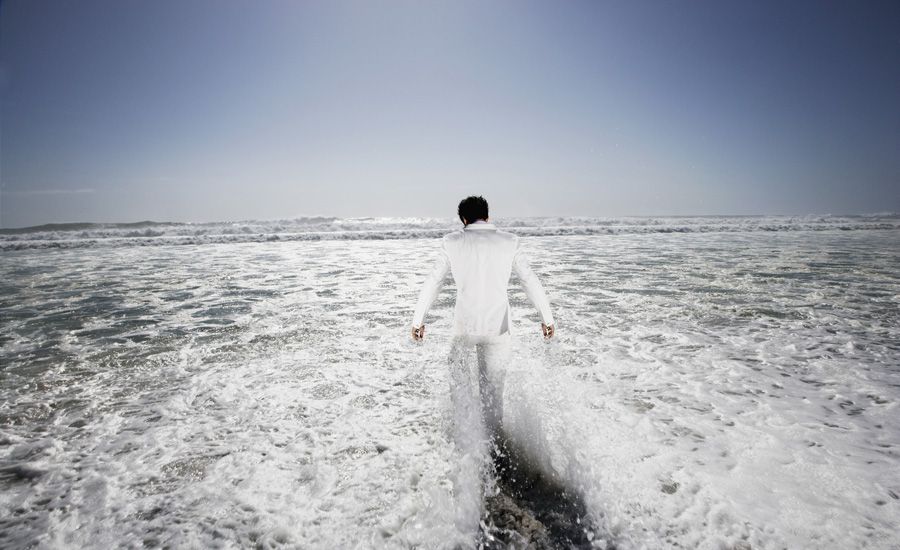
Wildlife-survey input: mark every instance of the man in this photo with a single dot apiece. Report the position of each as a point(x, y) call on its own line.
point(481, 259)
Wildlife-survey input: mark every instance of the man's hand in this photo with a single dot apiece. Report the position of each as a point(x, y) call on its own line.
point(548, 331)
point(418, 333)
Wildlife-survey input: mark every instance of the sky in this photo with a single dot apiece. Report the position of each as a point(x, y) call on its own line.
point(187, 110)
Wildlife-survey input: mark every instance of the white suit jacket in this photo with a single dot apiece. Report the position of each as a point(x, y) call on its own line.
point(481, 258)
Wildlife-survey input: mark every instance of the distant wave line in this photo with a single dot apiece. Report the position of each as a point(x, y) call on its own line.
point(148, 237)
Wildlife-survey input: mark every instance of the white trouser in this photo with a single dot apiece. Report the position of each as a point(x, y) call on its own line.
point(477, 386)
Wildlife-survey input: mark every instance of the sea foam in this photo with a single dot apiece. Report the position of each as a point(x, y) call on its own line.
point(720, 389)
point(86, 235)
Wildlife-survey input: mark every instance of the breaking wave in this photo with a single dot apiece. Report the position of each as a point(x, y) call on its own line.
point(149, 233)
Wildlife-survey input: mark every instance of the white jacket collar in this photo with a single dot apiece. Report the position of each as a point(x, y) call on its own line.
point(480, 224)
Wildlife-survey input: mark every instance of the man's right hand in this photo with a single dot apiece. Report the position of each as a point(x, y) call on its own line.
point(418, 333)
point(548, 331)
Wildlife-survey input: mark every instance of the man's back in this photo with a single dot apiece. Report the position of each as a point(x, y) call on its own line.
point(481, 259)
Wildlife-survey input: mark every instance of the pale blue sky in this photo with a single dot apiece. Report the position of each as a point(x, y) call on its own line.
point(188, 110)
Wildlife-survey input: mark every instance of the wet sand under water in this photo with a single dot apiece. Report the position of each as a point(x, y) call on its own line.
point(531, 509)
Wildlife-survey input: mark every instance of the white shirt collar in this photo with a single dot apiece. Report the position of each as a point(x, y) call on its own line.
point(480, 224)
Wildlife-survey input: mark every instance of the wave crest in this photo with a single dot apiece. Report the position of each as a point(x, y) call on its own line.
point(149, 233)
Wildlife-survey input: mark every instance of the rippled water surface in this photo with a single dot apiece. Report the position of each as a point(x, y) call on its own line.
point(707, 389)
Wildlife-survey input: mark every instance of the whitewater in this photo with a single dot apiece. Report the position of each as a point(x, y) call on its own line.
point(715, 382)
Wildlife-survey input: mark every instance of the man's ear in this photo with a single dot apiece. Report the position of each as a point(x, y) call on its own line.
point(465, 222)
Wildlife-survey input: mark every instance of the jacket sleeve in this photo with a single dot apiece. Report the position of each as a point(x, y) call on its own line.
point(533, 288)
point(432, 286)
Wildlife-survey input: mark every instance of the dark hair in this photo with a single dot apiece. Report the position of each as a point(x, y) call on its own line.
point(472, 209)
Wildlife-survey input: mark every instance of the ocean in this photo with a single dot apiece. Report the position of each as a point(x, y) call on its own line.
point(715, 382)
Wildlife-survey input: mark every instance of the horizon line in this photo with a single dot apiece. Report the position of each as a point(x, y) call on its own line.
point(57, 225)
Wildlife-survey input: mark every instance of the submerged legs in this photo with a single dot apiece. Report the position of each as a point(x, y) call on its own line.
point(476, 389)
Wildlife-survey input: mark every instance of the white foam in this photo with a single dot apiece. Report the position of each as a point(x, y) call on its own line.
point(322, 228)
point(711, 389)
